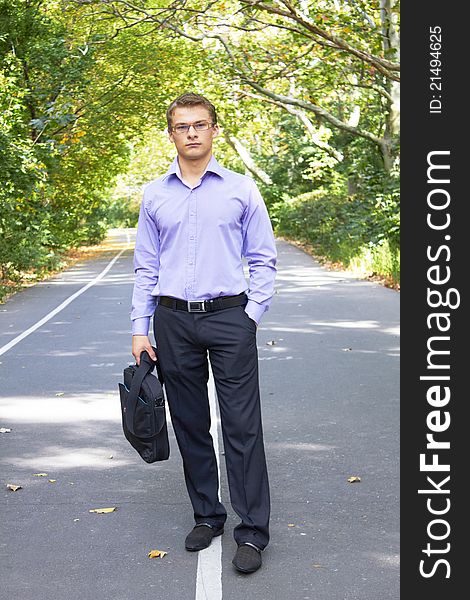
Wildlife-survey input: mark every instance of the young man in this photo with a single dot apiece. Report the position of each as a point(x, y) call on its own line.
point(196, 224)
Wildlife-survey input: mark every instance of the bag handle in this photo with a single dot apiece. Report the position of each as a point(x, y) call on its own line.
point(146, 366)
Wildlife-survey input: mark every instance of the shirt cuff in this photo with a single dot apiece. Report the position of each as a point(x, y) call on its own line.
point(141, 326)
point(254, 310)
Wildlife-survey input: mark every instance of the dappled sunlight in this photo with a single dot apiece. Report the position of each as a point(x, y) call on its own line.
point(70, 457)
point(391, 352)
point(394, 331)
point(72, 408)
point(87, 276)
point(300, 446)
point(62, 353)
point(348, 324)
point(307, 277)
point(391, 330)
point(278, 358)
point(385, 560)
point(117, 277)
point(122, 279)
point(291, 329)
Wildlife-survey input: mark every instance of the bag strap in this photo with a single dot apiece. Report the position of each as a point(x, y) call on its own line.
point(146, 366)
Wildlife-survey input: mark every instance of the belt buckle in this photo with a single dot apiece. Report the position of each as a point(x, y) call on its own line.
point(196, 306)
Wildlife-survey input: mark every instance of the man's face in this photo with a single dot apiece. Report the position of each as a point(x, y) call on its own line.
point(193, 145)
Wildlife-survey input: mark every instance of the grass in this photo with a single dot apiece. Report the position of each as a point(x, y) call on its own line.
point(375, 264)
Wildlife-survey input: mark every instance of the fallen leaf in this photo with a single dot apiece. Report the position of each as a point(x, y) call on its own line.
point(102, 511)
point(60, 394)
point(354, 479)
point(316, 566)
point(4, 430)
point(39, 474)
point(290, 525)
point(156, 553)
point(13, 487)
point(52, 480)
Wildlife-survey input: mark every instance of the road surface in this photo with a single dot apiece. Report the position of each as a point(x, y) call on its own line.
point(329, 370)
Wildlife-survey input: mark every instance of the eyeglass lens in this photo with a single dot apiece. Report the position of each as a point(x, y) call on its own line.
point(199, 126)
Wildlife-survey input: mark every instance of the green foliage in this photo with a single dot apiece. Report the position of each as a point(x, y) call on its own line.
point(356, 230)
point(120, 212)
point(83, 91)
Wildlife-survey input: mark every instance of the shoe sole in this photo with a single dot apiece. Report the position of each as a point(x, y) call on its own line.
point(242, 570)
point(204, 547)
point(246, 571)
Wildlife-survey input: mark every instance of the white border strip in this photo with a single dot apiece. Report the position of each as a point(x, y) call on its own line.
point(209, 562)
point(65, 303)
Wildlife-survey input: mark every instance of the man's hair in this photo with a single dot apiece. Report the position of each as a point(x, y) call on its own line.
point(190, 99)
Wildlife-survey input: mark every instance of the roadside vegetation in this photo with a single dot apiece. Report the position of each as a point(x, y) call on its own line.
point(308, 98)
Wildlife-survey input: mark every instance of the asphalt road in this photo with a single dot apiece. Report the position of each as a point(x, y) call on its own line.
point(329, 360)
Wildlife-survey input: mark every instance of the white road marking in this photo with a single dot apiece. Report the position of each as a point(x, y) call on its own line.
point(65, 303)
point(209, 565)
point(209, 562)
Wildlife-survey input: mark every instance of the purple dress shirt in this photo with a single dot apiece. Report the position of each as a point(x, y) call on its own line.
point(190, 242)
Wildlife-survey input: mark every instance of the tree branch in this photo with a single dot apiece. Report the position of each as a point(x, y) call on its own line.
point(308, 106)
point(386, 67)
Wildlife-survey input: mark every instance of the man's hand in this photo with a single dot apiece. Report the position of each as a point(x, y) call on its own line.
point(139, 344)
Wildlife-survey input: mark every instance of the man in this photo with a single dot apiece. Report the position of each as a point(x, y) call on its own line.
point(196, 224)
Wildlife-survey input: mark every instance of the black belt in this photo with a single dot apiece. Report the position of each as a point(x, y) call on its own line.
point(203, 305)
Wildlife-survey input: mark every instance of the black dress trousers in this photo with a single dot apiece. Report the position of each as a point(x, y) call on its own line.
point(184, 341)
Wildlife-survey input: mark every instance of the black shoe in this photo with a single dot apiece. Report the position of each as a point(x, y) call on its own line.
point(247, 558)
point(201, 537)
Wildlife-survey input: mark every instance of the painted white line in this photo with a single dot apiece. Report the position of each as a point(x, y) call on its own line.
point(209, 572)
point(209, 562)
point(65, 303)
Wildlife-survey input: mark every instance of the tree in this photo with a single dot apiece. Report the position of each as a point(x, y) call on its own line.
point(275, 47)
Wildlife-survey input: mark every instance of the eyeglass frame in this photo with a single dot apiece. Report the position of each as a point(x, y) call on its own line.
point(189, 125)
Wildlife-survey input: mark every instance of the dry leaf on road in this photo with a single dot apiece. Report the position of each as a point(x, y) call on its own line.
point(13, 487)
point(354, 479)
point(39, 474)
point(102, 511)
point(156, 553)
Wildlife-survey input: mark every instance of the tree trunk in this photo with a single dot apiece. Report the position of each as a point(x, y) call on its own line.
point(391, 45)
point(247, 159)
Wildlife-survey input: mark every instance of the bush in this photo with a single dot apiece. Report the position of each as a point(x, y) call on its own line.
point(352, 230)
point(122, 212)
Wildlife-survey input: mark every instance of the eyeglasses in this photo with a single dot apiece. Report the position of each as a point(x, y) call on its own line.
point(198, 126)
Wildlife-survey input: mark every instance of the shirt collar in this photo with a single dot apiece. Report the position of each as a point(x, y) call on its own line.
point(212, 167)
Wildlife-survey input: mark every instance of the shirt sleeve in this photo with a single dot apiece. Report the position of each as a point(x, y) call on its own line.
point(259, 248)
point(146, 269)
